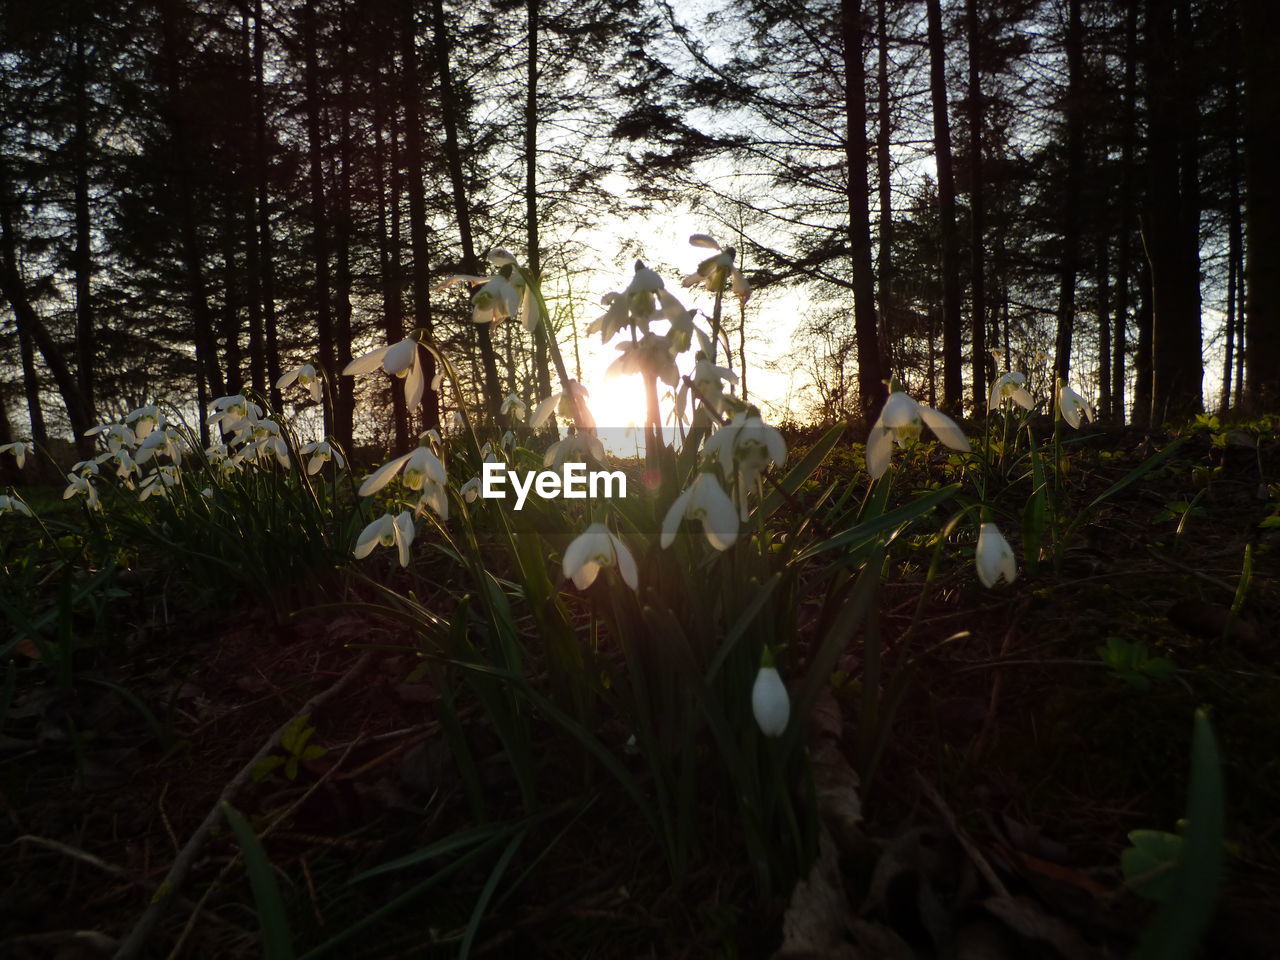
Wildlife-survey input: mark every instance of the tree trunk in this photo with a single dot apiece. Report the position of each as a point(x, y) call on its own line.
point(1262, 208)
point(344, 402)
point(461, 208)
point(1127, 216)
point(1102, 292)
point(266, 266)
point(420, 271)
point(533, 257)
point(871, 391)
point(884, 172)
point(952, 379)
point(230, 301)
point(977, 211)
point(82, 259)
point(319, 218)
point(389, 258)
point(1142, 361)
point(208, 376)
point(1071, 194)
point(31, 330)
point(1170, 230)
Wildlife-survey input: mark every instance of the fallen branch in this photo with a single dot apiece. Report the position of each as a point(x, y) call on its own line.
point(166, 893)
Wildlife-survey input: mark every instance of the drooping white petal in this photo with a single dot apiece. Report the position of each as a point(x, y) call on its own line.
point(994, 557)
point(401, 356)
point(367, 363)
point(675, 514)
point(626, 563)
point(371, 535)
point(382, 476)
point(719, 516)
point(543, 412)
point(404, 535)
point(946, 429)
point(415, 384)
point(704, 240)
point(879, 448)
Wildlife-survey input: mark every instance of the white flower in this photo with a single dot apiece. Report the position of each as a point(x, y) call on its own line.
point(635, 305)
point(1010, 386)
point(562, 405)
point(144, 420)
point(712, 271)
point(994, 558)
point(495, 301)
point(595, 549)
point(86, 467)
point(13, 505)
point(650, 355)
point(19, 449)
point(709, 380)
point(117, 435)
point(579, 448)
point(900, 422)
point(705, 500)
point(1071, 404)
point(304, 376)
point(747, 442)
point(165, 440)
point(401, 360)
point(321, 453)
point(82, 486)
point(515, 406)
point(387, 531)
point(419, 465)
point(231, 414)
point(471, 490)
point(770, 703)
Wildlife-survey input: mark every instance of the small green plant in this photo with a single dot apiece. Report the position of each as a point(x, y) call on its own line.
point(294, 742)
point(1134, 664)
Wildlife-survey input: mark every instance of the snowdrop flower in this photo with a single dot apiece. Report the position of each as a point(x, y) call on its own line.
point(769, 701)
point(85, 468)
point(165, 440)
point(1010, 386)
point(901, 420)
point(1071, 404)
point(387, 531)
point(710, 380)
point(650, 355)
point(595, 549)
point(152, 485)
point(434, 496)
point(304, 376)
point(144, 420)
point(712, 271)
point(495, 301)
point(705, 500)
point(420, 466)
point(401, 360)
point(507, 441)
point(19, 449)
point(82, 486)
point(321, 452)
point(562, 405)
point(637, 304)
point(516, 407)
point(745, 447)
point(117, 435)
point(231, 414)
point(994, 558)
point(579, 448)
point(10, 504)
point(471, 490)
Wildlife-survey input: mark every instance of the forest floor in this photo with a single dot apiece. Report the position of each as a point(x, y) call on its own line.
point(1021, 754)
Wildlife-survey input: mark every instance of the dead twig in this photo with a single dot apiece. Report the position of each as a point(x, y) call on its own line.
point(166, 893)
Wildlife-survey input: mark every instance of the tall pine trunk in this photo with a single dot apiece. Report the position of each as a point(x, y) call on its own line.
point(385, 159)
point(1124, 243)
point(420, 276)
point(533, 259)
point(82, 258)
point(884, 172)
point(1071, 194)
point(871, 390)
point(344, 400)
point(264, 259)
point(977, 210)
point(952, 377)
point(319, 219)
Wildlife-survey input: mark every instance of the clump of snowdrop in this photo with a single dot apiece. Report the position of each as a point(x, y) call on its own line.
point(713, 271)
point(514, 407)
point(592, 551)
point(78, 486)
point(320, 453)
point(10, 504)
point(901, 421)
